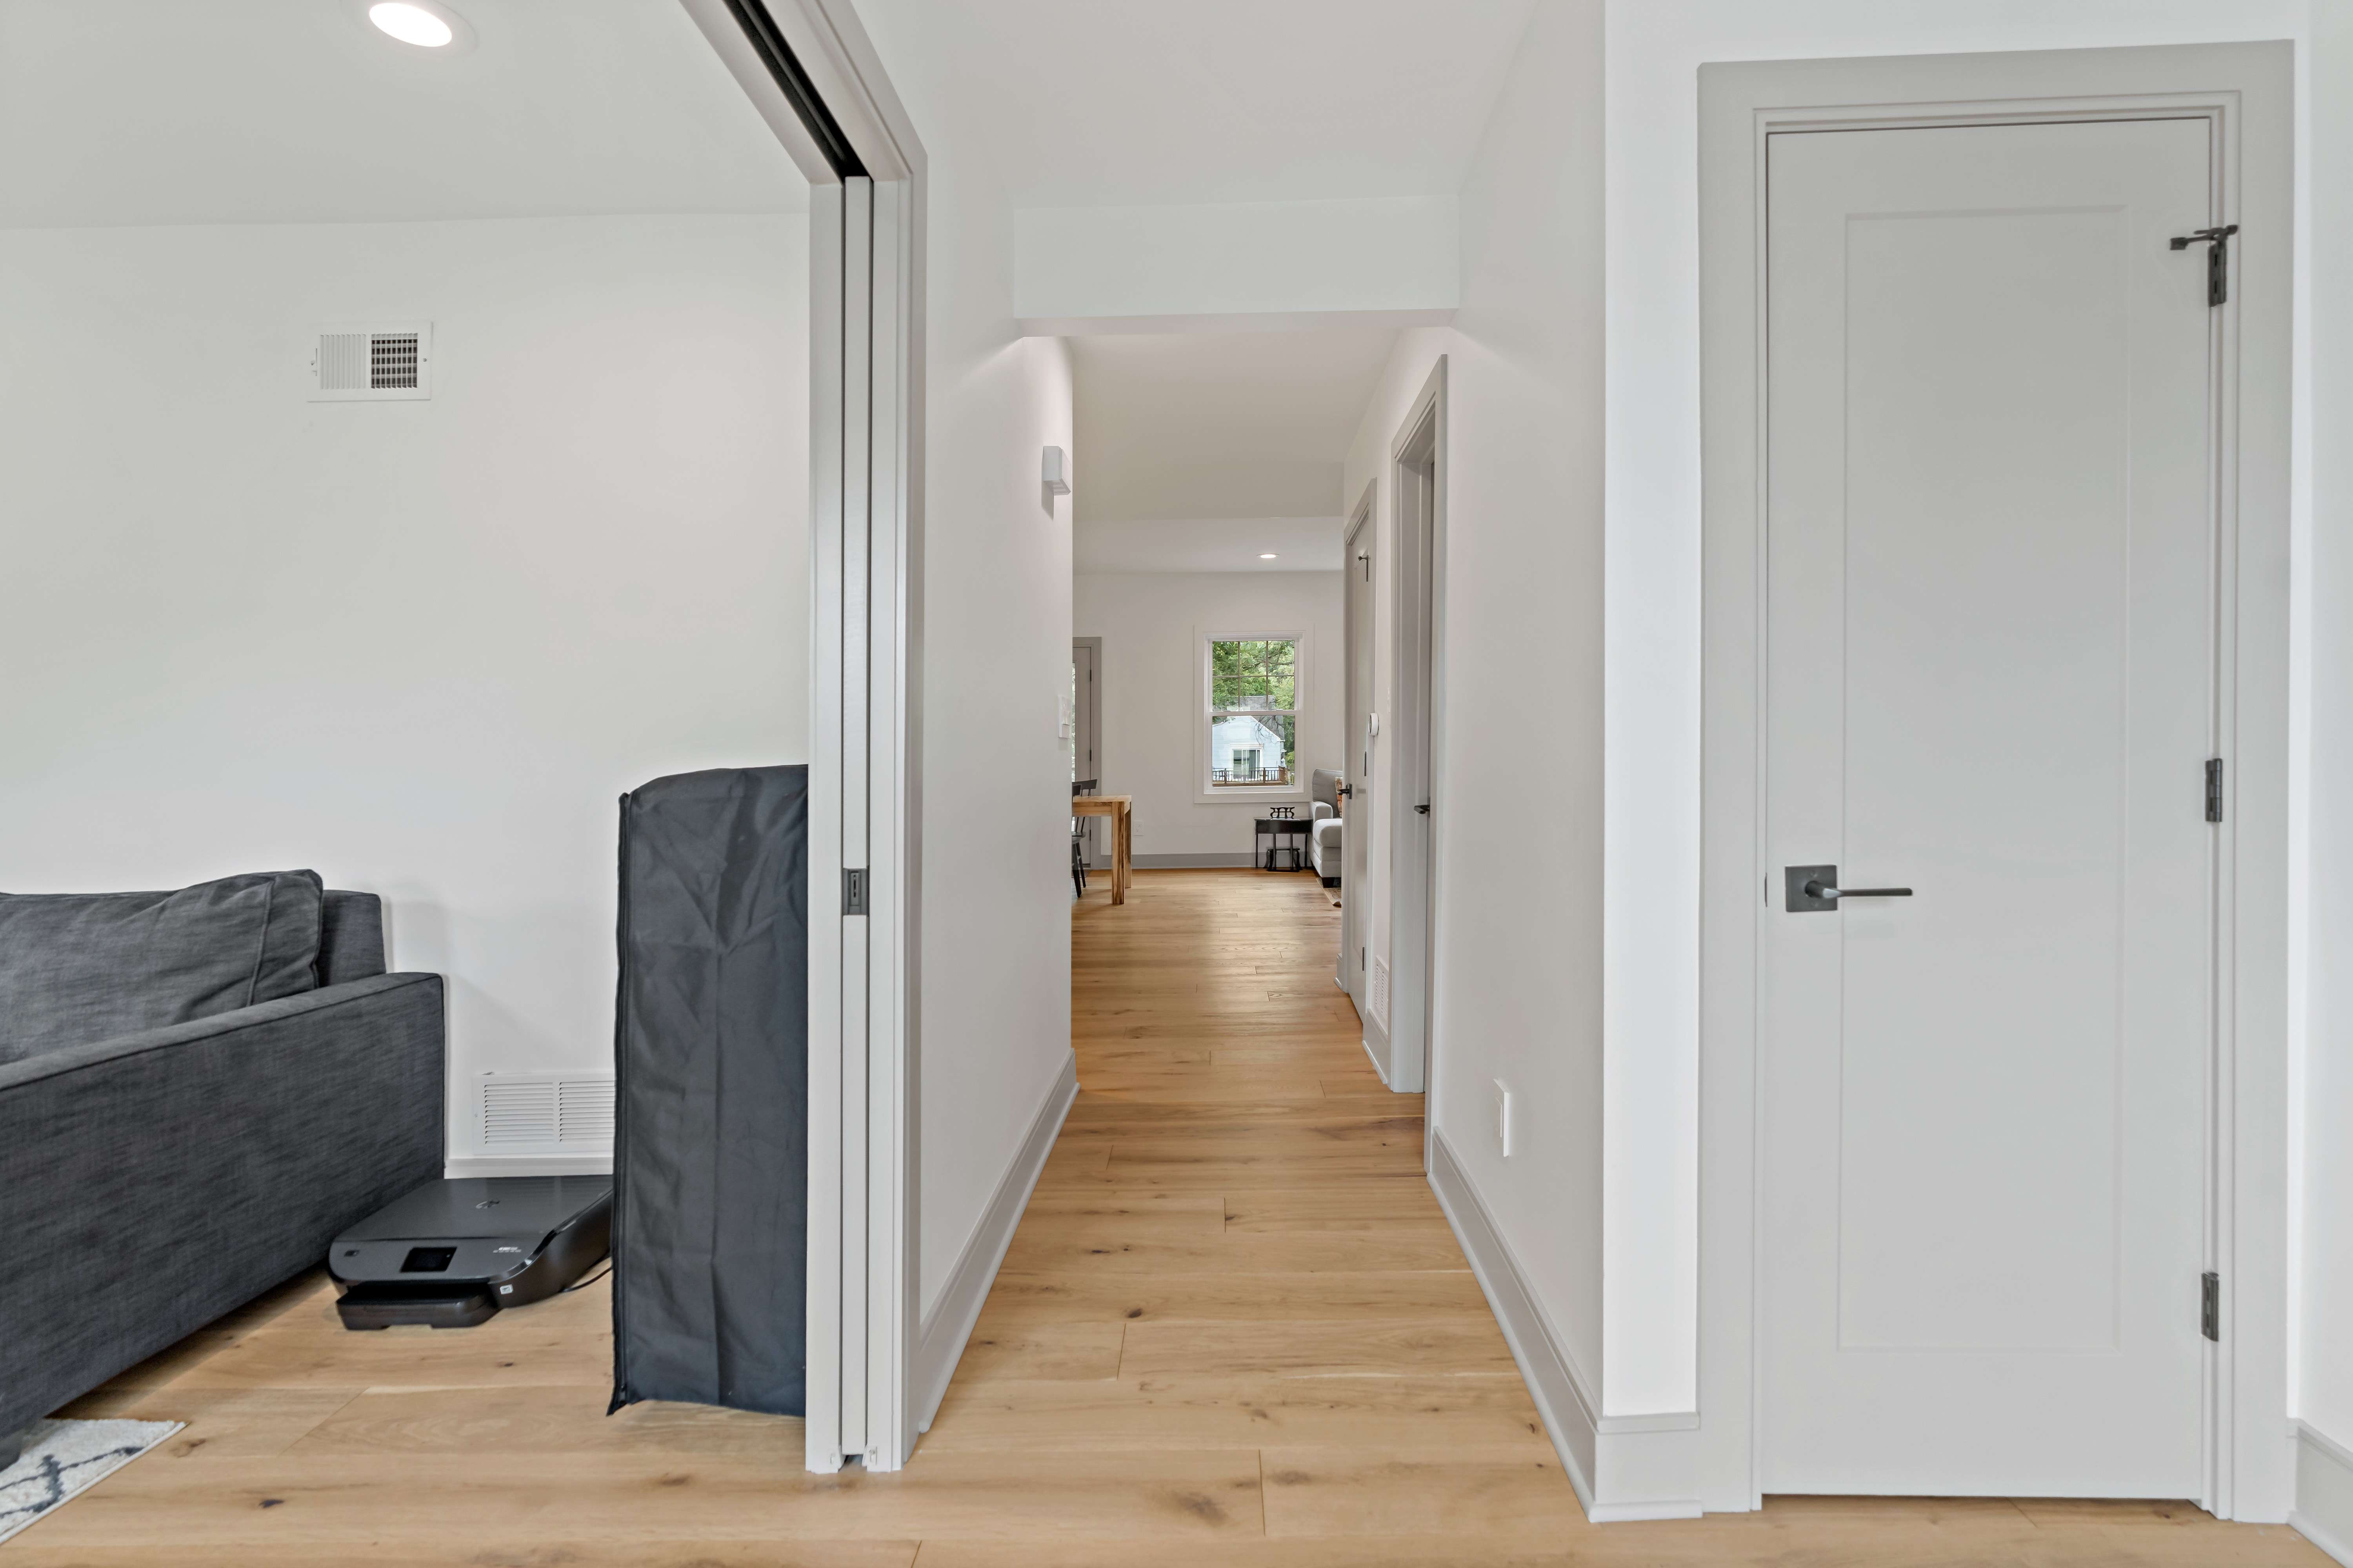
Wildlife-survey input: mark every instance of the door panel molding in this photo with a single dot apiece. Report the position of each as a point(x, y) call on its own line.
point(2245, 89)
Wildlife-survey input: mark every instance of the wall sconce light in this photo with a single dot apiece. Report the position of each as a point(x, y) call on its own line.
point(1052, 474)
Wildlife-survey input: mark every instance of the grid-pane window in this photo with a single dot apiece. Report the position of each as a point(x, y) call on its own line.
point(1254, 712)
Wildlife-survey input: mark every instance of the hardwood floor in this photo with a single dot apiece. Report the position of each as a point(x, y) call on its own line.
point(1233, 1330)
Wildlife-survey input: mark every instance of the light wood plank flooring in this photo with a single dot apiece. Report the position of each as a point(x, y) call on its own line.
point(1233, 1330)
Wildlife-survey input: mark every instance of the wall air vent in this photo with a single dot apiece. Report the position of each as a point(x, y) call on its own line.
point(1381, 992)
point(372, 365)
point(546, 1111)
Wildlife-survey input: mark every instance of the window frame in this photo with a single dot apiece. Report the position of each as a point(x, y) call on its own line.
point(1205, 717)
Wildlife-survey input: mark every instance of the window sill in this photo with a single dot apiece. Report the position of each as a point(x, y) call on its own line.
point(1251, 795)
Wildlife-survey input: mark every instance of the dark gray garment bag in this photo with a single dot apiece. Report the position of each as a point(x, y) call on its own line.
point(711, 1045)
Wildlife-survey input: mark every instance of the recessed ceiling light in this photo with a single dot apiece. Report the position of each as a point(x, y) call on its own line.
point(1268, 556)
point(423, 24)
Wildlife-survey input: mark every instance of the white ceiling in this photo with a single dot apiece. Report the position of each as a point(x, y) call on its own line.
point(167, 111)
point(1209, 545)
point(1105, 102)
point(1183, 429)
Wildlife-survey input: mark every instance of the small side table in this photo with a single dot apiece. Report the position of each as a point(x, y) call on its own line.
point(1274, 829)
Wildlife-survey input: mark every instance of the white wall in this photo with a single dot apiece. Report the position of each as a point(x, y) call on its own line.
point(421, 646)
point(1518, 978)
point(1653, 588)
point(1093, 269)
point(1149, 679)
point(2324, 1394)
point(995, 958)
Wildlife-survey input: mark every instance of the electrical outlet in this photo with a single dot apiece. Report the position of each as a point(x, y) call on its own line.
point(1503, 1118)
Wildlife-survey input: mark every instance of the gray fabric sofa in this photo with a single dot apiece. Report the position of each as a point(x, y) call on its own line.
point(1323, 842)
point(198, 1092)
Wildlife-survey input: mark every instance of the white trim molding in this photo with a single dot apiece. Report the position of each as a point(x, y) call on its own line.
point(2324, 1491)
point(948, 1327)
point(2246, 91)
point(585, 1163)
point(1564, 1398)
point(1413, 762)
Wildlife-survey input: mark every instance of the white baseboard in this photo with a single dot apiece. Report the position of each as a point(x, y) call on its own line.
point(574, 1163)
point(1206, 860)
point(1636, 1512)
point(941, 1344)
point(2324, 1493)
point(1563, 1399)
point(1372, 1032)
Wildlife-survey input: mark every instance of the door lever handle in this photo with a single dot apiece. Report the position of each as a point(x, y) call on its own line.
point(1814, 889)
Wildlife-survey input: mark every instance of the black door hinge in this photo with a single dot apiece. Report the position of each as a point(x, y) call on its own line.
point(2209, 1306)
point(853, 890)
point(2215, 789)
point(2217, 257)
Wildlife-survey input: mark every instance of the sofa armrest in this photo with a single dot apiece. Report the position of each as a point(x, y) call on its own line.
point(151, 1182)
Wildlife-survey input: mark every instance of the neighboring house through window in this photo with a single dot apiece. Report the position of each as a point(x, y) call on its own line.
point(1254, 712)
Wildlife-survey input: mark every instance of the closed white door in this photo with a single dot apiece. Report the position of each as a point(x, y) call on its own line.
point(1991, 681)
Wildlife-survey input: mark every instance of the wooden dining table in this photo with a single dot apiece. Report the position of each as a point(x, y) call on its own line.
point(1120, 809)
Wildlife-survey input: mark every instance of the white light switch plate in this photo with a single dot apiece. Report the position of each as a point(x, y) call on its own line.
point(1503, 1118)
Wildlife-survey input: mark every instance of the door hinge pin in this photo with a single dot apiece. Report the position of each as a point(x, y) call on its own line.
point(2217, 257)
point(2215, 789)
point(2209, 1306)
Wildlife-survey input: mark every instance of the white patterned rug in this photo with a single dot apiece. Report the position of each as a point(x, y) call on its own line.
point(63, 1458)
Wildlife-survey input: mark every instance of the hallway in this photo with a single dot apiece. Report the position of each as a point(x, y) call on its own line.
point(1233, 1260)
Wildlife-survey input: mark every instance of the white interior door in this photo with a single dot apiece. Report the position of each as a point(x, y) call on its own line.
point(1991, 654)
point(1356, 765)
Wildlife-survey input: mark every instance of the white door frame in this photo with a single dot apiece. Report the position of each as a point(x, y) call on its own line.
point(1416, 713)
point(809, 68)
point(2245, 89)
point(1358, 544)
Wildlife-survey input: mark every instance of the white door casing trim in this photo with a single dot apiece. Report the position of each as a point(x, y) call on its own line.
point(2245, 89)
point(1361, 539)
point(866, 237)
point(1417, 712)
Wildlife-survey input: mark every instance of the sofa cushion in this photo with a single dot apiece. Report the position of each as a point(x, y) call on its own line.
point(80, 967)
point(1324, 847)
